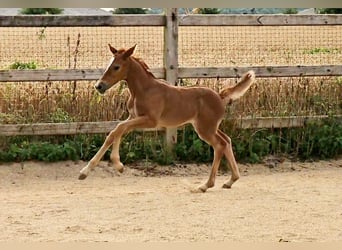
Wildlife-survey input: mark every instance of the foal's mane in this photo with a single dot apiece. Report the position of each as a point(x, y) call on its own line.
point(141, 62)
point(144, 65)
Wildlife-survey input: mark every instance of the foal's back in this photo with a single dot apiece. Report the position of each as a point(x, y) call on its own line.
point(187, 104)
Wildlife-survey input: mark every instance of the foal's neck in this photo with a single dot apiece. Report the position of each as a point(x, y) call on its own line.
point(138, 78)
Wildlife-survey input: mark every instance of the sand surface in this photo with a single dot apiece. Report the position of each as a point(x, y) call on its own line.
point(272, 202)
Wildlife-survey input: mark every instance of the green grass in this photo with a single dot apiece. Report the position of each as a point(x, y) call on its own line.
point(322, 51)
point(23, 65)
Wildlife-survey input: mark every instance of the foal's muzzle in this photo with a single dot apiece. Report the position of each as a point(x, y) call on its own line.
point(101, 87)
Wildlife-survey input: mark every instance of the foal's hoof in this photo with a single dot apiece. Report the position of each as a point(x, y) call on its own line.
point(200, 189)
point(119, 167)
point(227, 186)
point(82, 176)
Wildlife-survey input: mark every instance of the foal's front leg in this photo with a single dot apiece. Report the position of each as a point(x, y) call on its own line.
point(114, 156)
point(115, 137)
point(98, 156)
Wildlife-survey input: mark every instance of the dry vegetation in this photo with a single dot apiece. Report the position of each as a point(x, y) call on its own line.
point(199, 46)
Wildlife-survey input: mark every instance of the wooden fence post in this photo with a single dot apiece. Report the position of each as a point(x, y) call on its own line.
point(171, 62)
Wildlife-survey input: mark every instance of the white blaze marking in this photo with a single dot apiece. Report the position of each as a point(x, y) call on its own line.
point(110, 63)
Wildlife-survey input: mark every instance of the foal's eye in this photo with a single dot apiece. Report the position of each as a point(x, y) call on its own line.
point(116, 67)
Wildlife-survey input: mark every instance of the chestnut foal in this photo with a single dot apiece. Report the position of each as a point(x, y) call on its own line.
point(154, 103)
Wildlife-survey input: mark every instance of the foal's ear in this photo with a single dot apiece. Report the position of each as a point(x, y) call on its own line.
point(112, 49)
point(129, 52)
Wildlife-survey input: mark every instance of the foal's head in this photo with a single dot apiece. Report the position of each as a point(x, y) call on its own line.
point(116, 70)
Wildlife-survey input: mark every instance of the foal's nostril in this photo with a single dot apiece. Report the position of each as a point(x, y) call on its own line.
point(98, 86)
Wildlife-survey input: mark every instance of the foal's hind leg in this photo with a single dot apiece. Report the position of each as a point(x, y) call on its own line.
point(219, 145)
point(228, 152)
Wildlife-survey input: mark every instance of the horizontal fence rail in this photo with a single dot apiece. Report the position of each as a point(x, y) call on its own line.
point(261, 71)
point(81, 21)
point(183, 72)
point(259, 20)
point(159, 20)
point(107, 126)
point(59, 74)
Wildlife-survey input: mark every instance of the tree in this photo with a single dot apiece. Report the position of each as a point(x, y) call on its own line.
point(208, 11)
point(41, 11)
point(290, 11)
point(330, 11)
point(129, 11)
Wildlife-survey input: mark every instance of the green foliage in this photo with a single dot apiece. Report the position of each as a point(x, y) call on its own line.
point(316, 140)
point(322, 51)
point(51, 149)
point(254, 10)
point(191, 148)
point(129, 11)
point(321, 140)
point(60, 115)
point(41, 11)
point(330, 11)
point(231, 10)
point(41, 151)
point(146, 146)
point(208, 11)
point(21, 65)
point(290, 11)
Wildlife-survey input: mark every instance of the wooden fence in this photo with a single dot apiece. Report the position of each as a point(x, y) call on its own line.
point(171, 72)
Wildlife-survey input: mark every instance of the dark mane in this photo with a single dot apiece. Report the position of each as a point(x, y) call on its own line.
point(144, 65)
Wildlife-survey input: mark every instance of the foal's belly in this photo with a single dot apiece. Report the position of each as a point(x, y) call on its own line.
point(179, 114)
point(174, 122)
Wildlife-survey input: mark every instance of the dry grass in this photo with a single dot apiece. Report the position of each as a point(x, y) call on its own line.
point(198, 46)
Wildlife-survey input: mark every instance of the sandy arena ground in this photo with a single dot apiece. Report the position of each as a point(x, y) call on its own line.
point(289, 202)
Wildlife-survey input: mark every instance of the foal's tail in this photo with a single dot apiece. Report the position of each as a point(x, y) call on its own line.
point(230, 94)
